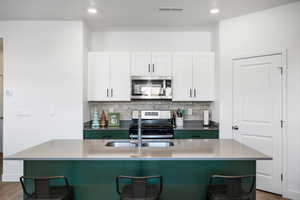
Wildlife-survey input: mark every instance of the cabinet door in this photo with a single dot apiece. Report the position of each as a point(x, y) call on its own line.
point(196, 134)
point(120, 76)
point(141, 64)
point(161, 64)
point(204, 77)
point(182, 76)
point(98, 76)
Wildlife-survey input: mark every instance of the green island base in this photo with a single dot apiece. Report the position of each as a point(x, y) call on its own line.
point(182, 179)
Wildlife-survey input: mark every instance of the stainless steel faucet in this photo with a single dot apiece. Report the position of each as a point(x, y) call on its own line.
point(140, 142)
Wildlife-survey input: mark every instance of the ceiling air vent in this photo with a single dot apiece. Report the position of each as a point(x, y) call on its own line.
point(171, 10)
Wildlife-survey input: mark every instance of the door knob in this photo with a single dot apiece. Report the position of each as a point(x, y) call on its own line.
point(235, 128)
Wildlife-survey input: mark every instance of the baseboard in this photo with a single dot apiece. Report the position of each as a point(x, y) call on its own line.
point(11, 177)
point(292, 194)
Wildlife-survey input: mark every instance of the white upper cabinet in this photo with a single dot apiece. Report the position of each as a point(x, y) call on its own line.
point(182, 76)
point(141, 64)
point(161, 64)
point(108, 76)
point(120, 76)
point(204, 77)
point(193, 76)
point(98, 76)
point(151, 64)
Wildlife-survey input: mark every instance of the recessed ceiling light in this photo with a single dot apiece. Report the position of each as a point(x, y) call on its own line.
point(214, 11)
point(92, 11)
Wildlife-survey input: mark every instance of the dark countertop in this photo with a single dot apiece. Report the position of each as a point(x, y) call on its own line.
point(188, 125)
point(124, 126)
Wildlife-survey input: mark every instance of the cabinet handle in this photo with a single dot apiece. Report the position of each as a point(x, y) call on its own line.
point(153, 67)
point(191, 95)
point(149, 68)
point(112, 92)
point(195, 92)
point(107, 93)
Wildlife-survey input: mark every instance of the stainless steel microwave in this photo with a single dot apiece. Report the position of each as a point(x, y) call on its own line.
point(149, 87)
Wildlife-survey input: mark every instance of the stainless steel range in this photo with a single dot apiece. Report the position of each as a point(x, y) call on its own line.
point(154, 124)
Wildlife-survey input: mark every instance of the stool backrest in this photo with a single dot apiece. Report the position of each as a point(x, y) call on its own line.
point(39, 187)
point(139, 184)
point(234, 184)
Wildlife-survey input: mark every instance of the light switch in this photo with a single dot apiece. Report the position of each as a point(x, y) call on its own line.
point(9, 92)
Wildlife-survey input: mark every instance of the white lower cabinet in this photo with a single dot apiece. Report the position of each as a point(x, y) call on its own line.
point(193, 76)
point(108, 76)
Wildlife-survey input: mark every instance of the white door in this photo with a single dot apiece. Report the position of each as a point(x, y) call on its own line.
point(204, 77)
point(141, 64)
point(257, 108)
point(98, 76)
point(120, 76)
point(161, 64)
point(182, 76)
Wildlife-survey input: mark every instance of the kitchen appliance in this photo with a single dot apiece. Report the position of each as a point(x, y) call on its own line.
point(144, 87)
point(155, 125)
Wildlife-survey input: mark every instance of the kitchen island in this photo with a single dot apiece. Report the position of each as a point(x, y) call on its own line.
point(186, 167)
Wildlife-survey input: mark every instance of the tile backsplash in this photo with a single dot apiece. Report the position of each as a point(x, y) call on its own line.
point(126, 108)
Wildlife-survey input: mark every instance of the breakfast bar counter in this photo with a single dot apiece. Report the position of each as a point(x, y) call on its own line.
point(186, 166)
point(192, 149)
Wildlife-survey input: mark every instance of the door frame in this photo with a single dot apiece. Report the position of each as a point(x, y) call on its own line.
point(284, 152)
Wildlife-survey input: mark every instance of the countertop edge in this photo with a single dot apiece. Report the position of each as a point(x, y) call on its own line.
point(133, 159)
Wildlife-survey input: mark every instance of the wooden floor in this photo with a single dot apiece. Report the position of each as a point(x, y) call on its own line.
point(13, 191)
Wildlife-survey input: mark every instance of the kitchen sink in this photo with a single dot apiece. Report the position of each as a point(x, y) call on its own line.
point(129, 144)
point(158, 144)
point(121, 144)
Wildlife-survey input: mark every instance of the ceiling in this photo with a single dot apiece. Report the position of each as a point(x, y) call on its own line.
point(132, 13)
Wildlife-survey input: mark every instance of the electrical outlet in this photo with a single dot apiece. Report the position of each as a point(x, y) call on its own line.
point(190, 111)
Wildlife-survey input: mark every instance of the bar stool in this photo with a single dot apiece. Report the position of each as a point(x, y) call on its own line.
point(231, 187)
point(56, 187)
point(139, 188)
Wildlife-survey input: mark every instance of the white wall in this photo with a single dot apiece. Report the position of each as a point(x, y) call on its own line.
point(1, 95)
point(272, 29)
point(43, 83)
point(151, 41)
point(215, 106)
point(86, 47)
